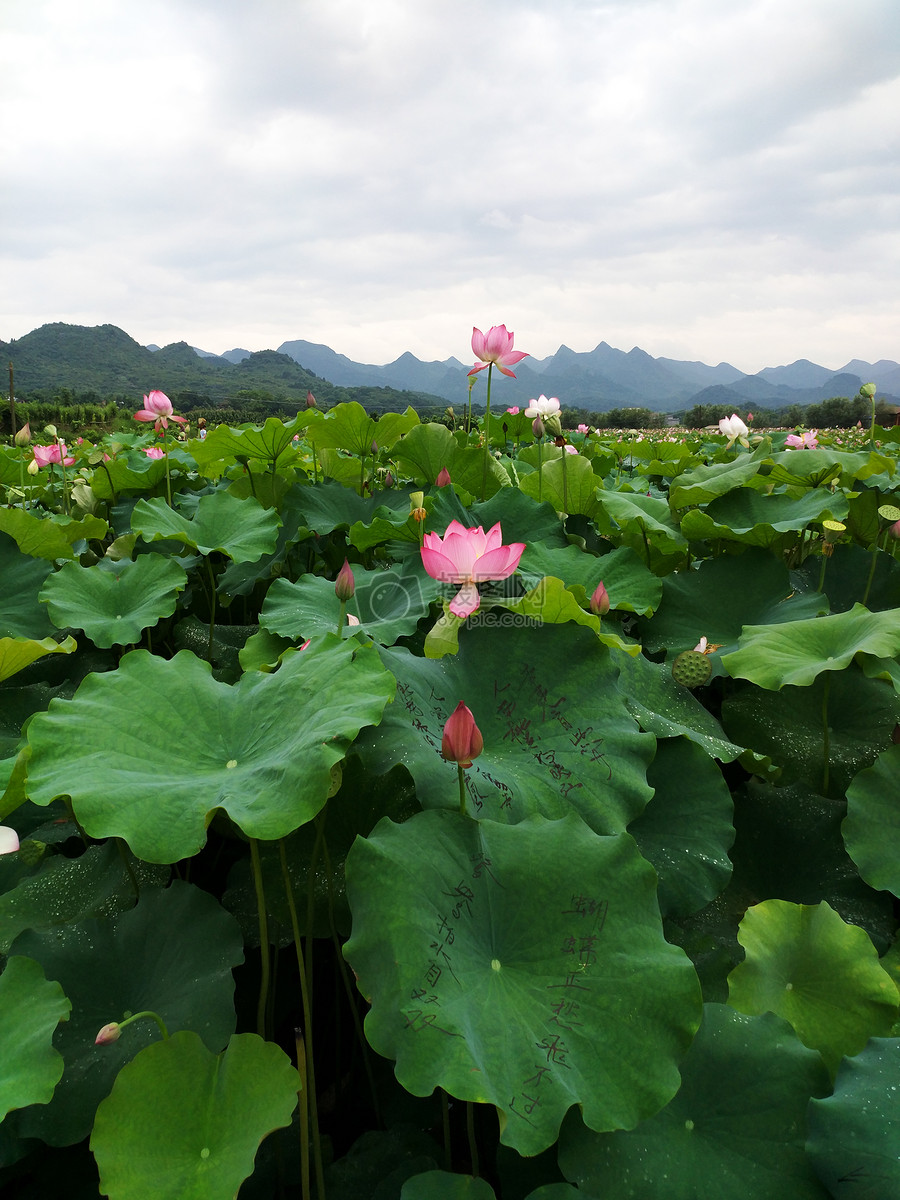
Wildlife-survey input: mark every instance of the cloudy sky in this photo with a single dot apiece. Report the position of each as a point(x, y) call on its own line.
point(705, 179)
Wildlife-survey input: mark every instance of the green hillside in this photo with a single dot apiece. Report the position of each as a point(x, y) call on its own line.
point(97, 362)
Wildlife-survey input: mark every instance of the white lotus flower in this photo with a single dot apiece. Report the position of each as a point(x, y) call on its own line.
point(542, 407)
point(734, 429)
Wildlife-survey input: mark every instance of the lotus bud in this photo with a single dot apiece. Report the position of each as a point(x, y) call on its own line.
point(23, 435)
point(894, 530)
point(443, 478)
point(374, 447)
point(538, 426)
point(310, 400)
point(462, 740)
point(388, 480)
point(33, 467)
point(345, 584)
point(108, 1034)
point(600, 601)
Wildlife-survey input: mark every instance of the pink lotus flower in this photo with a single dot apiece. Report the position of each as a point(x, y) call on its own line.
point(154, 452)
point(468, 557)
point(514, 411)
point(495, 346)
point(462, 740)
point(9, 840)
point(570, 449)
point(158, 408)
point(45, 455)
point(806, 441)
point(583, 428)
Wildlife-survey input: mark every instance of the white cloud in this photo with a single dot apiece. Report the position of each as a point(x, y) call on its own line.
point(704, 180)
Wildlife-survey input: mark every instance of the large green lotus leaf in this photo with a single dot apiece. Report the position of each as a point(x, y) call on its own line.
point(706, 482)
point(240, 578)
point(788, 726)
point(48, 537)
point(551, 603)
point(425, 450)
point(266, 442)
point(734, 1131)
point(328, 506)
point(349, 427)
point(63, 890)
point(567, 482)
point(686, 830)
point(522, 966)
point(442, 1185)
point(629, 585)
point(114, 602)
point(667, 709)
point(242, 529)
point(775, 830)
point(847, 575)
point(797, 651)
point(720, 596)
point(388, 603)
point(854, 1134)
point(819, 973)
point(748, 516)
point(521, 519)
point(127, 474)
point(645, 524)
point(814, 467)
point(21, 615)
point(18, 653)
point(173, 954)
point(553, 742)
point(183, 1122)
point(871, 828)
point(262, 749)
point(31, 1006)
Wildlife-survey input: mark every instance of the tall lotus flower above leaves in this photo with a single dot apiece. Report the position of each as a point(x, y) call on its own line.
point(734, 429)
point(468, 557)
point(158, 408)
point(495, 346)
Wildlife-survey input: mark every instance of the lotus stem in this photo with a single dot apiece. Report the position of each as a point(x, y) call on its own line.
point(307, 1035)
point(826, 734)
point(303, 1097)
point(487, 434)
point(470, 1130)
point(265, 964)
point(462, 790)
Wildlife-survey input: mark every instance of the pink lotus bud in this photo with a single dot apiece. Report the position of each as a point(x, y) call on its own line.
point(345, 584)
point(600, 601)
point(462, 740)
point(108, 1034)
point(23, 436)
point(443, 478)
point(388, 480)
point(894, 530)
point(310, 400)
point(538, 426)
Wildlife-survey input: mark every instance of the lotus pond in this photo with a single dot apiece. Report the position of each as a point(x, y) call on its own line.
point(286, 920)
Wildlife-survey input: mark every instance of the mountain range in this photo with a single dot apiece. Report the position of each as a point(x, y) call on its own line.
point(605, 378)
point(107, 360)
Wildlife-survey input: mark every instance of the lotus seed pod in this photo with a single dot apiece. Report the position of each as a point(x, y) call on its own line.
point(691, 669)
